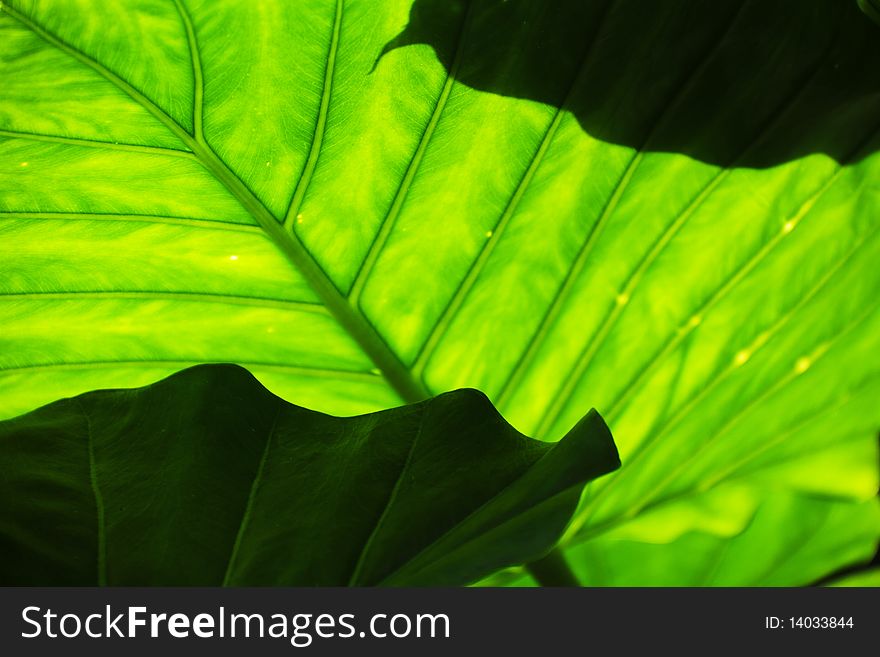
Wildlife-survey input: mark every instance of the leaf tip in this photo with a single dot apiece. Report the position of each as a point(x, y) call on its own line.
point(594, 433)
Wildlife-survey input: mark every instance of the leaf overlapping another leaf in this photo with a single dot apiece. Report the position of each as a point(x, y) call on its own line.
point(206, 478)
point(680, 229)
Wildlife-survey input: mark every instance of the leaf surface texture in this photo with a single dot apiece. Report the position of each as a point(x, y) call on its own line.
point(671, 217)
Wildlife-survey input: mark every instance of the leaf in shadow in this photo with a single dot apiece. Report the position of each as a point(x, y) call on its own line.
point(207, 478)
point(871, 8)
point(685, 76)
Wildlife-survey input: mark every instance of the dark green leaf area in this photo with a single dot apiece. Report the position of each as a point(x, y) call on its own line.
point(207, 478)
point(871, 8)
point(681, 76)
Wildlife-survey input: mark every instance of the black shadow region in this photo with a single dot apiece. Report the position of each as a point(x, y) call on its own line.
point(751, 83)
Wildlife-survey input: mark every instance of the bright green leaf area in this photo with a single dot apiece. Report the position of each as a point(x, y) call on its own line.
point(866, 578)
point(206, 478)
point(828, 536)
point(668, 213)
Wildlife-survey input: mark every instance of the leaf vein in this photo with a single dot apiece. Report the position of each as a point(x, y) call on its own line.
point(387, 226)
point(373, 345)
point(302, 370)
point(252, 494)
point(365, 550)
point(97, 144)
point(731, 421)
point(320, 128)
point(615, 310)
point(463, 290)
point(557, 303)
point(198, 75)
point(99, 500)
point(190, 222)
point(495, 525)
point(147, 295)
point(738, 474)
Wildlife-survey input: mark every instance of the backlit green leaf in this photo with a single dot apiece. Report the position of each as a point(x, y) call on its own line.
point(667, 211)
point(865, 578)
point(770, 551)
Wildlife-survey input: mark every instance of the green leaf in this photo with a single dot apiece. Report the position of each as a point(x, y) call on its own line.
point(871, 8)
point(788, 540)
point(206, 478)
point(865, 578)
point(666, 212)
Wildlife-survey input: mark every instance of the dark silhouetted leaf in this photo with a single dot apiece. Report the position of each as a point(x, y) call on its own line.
point(667, 210)
point(207, 478)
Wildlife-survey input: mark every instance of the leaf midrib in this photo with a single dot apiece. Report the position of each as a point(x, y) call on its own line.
point(249, 505)
point(479, 509)
point(396, 374)
point(366, 549)
point(101, 525)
